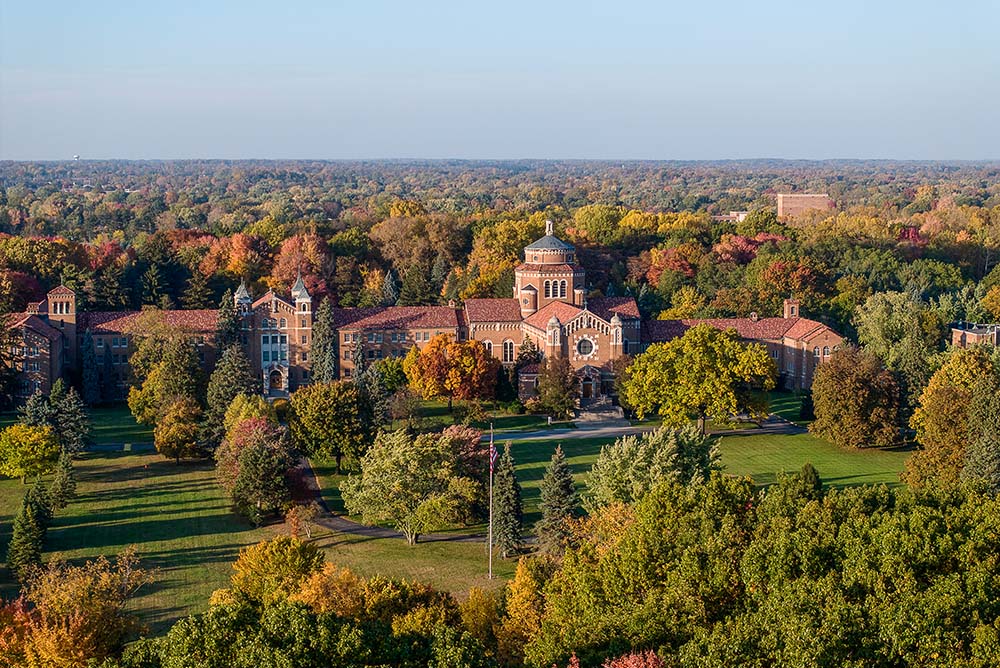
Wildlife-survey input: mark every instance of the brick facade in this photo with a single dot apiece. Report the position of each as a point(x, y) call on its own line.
point(548, 307)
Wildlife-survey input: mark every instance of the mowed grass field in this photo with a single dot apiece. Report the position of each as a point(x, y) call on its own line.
point(182, 525)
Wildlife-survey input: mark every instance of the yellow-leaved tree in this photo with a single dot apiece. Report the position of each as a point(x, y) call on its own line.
point(942, 418)
point(707, 373)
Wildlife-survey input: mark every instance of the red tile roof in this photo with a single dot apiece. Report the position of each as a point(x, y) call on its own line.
point(805, 329)
point(758, 329)
point(493, 310)
point(565, 312)
point(606, 307)
point(396, 317)
point(31, 321)
point(120, 322)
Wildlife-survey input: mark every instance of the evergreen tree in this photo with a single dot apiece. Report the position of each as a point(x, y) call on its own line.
point(62, 488)
point(72, 421)
point(57, 393)
point(109, 379)
point(180, 372)
point(228, 326)
point(374, 395)
point(390, 289)
point(37, 411)
point(90, 377)
point(527, 353)
point(261, 485)
point(232, 376)
point(110, 291)
point(439, 272)
point(559, 500)
point(358, 358)
point(25, 549)
point(41, 505)
point(506, 391)
point(507, 510)
point(982, 458)
point(324, 344)
point(198, 294)
point(154, 285)
point(812, 485)
point(417, 289)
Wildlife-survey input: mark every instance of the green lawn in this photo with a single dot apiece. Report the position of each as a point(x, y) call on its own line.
point(451, 566)
point(109, 424)
point(764, 455)
point(175, 515)
point(115, 424)
point(182, 526)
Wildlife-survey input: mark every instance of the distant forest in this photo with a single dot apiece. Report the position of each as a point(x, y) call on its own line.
point(179, 233)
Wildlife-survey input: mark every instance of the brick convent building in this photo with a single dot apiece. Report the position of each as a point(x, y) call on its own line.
point(549, 307)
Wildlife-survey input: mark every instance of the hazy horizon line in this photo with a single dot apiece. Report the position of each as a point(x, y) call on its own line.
point(495, 159)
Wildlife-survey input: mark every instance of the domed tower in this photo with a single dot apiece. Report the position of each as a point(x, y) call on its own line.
point(549, 271)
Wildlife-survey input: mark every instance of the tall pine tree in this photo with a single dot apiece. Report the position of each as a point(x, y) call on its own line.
point(324, 344)
point(508, 513)
point(228, 326)
point(982, 457)
point(232, 376)
point(439, 272)
point(72, 423)
point(25, 549)
point(62, 488)
point(37, 411)
point(197, 294)
point(417, 289)
point(90, 376)
point(390, 289)
point(559, 501)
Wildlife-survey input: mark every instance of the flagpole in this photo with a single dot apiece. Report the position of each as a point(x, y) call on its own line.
point(490, 530)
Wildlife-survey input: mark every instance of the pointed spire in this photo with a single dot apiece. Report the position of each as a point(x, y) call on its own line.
point(241, 292)
point(299, 289)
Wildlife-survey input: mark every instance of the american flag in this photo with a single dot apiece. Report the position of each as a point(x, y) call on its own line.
point(493, 451)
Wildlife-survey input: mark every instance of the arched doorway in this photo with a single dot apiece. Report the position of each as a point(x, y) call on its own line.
point(274, 381)
point(588, 388)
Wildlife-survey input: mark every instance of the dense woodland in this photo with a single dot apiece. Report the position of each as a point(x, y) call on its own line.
point(177, 234)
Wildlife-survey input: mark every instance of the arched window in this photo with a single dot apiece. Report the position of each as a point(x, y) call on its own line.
point(282, 324)
point(826, 351)
point(562, 288)
point(489, 347)
point(508, 351)
point(816, 351)
point(548, 289)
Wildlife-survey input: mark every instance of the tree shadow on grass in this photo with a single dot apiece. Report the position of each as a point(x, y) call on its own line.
point(140, 470)
point(95, 537)
point(161, 489)
point(138, 508)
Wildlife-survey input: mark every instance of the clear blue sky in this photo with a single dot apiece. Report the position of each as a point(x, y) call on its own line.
point(692, 79)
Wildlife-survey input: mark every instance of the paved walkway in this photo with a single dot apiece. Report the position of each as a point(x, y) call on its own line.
point(773, 425)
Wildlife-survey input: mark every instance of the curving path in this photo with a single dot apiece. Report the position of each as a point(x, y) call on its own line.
point(773, 425)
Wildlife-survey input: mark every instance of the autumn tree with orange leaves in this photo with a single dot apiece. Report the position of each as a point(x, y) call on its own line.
point(456, 370)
